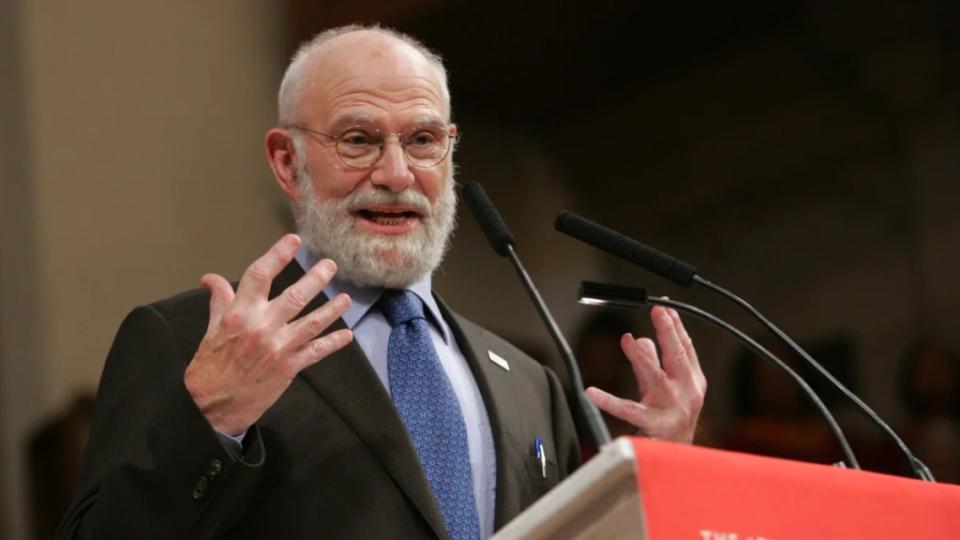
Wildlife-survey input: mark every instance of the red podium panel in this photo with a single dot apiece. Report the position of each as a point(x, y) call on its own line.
point(689, 492)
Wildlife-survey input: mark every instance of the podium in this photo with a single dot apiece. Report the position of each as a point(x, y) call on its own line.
point(643, 489)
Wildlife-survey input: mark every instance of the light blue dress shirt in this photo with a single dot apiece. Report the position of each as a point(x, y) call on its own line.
point(372, 332)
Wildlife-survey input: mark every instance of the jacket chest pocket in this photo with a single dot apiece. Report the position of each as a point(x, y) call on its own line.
point(542, 474)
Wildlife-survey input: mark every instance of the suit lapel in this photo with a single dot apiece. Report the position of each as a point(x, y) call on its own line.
point(500, 398)
point(347, 383)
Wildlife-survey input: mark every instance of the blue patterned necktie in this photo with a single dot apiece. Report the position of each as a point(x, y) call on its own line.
point(424, 397)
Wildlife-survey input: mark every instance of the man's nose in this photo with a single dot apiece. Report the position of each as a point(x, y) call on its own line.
point(392, 169)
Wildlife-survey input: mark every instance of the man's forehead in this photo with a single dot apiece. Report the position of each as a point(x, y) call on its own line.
point(368, 53)
point(369, 61)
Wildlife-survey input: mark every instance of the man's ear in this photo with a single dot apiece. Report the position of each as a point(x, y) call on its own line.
point(281, 155)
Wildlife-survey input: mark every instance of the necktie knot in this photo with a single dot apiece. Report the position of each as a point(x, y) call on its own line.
point(401, 307)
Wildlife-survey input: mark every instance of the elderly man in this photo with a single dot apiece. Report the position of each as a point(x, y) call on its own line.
point(331, 394)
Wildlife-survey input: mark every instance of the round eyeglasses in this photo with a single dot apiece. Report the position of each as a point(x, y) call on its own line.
point(360, 147)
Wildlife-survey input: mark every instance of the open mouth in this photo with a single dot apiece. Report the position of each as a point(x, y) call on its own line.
point(387, 217)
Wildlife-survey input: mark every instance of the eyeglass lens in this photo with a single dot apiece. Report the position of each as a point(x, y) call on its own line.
point(424, 146)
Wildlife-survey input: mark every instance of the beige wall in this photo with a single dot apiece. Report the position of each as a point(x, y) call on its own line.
point(19, 346)
point(143, 125)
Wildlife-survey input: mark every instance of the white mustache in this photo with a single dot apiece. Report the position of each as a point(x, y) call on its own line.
point(381, 196)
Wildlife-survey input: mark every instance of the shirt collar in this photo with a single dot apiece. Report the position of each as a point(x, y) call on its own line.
point(364, 298)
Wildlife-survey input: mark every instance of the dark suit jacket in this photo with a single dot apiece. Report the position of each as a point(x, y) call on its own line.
point(331, 459)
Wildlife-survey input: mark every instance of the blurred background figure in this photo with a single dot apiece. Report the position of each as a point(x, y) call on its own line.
point(54, 454)
point(772, 416)
point(930, 390)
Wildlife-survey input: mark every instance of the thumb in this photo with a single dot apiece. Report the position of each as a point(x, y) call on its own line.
point(221, 295)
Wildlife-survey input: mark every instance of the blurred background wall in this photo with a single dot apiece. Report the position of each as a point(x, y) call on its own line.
point(804, 154)
point(135, 166)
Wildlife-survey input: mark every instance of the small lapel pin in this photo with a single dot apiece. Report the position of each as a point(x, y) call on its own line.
point(498, 360)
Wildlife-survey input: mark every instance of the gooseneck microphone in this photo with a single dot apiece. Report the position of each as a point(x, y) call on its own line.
point(502, 242)
point(604, 294)
point(626, 248)
point(685, 274)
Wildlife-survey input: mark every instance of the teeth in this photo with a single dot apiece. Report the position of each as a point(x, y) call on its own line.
point(387, 216)
point(383, 220)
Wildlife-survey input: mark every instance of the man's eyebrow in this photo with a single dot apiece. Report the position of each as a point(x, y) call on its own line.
point(427, 120)
point(349, 120)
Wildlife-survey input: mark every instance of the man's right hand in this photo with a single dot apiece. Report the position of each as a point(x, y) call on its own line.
point(252, 351)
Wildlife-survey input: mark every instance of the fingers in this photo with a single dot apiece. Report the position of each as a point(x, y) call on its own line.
point(685, 339)
point(624, 409)
point(297, 296)
point(674, 355)
point(221, 294)
point(318, 349)
point(642, 355)
point(255, 283)
point(313, 324)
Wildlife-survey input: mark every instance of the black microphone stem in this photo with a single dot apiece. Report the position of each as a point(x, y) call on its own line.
point(595, 425)
point(917, 466)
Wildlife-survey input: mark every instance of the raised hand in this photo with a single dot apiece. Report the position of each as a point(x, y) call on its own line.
point(252, 351)
point(672, 395)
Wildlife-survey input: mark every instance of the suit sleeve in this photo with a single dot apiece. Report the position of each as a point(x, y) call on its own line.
point(154, 467)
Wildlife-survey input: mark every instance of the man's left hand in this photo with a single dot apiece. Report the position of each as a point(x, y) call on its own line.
point(672, 390)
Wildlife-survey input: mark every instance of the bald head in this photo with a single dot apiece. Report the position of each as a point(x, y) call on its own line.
point(356, 51)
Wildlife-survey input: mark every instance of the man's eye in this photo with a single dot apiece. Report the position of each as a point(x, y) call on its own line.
point(357, 138)
point(422, 138)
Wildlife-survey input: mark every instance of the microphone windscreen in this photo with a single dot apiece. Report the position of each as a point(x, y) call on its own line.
point(626, 248)
point(488, 218)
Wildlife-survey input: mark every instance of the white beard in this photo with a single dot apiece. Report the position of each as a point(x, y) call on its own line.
point(391, 261)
